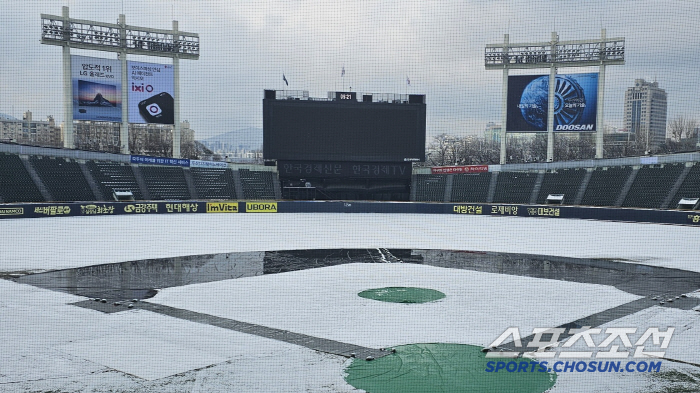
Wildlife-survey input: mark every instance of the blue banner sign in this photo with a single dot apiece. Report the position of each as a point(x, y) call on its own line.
point(184, 162)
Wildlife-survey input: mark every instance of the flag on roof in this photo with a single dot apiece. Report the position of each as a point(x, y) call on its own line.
point(284, 78)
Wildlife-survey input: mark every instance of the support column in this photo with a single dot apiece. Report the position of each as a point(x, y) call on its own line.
point(124, 129)
point(600, 125)
point(176, 91)
point(504, 99)
point(68, 141)
point(550, 101)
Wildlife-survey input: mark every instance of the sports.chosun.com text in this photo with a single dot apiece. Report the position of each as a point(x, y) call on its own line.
point(592, 366)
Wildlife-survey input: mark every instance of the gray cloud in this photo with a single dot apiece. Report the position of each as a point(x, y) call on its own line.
point(247, 45)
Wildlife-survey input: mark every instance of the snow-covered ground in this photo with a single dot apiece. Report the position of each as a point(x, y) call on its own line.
point(56, 243)
point(50, 345)
point(324, 303)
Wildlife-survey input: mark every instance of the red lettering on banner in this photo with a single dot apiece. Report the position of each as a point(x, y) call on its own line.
point(459, 169)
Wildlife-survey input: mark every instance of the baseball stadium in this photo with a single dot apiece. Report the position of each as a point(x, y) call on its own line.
point(363, 247)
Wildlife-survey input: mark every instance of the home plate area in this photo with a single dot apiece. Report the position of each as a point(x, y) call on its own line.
point(375, 320)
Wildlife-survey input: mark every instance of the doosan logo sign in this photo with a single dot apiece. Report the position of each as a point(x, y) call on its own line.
point(575, 127)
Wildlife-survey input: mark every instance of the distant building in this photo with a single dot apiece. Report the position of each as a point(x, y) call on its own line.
point(619, 137)
point(645, 112)
point(492, 133)
point(144, 139)
point(96, 136)
point(30, 132)
point(157, 139)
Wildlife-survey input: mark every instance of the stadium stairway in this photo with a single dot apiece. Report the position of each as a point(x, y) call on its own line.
point(36, 179)
point(190, 183)
point(690, 188)
point(91, 182)
point(676, 186)
point(138, 175)
point(584, 184)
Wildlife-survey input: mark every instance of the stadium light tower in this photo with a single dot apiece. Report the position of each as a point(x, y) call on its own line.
point(123, 39)
point(552, 55)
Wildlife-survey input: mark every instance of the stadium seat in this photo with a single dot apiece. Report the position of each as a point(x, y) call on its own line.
point(430, 188)
point(63, 179)
point(690, 188)
point(605, 185)
point(16, 185)
point(563, 181)
point(652, 185)
point(165, 183)
point(257, 184)
point(514, 187)
point(111, 176)
point(213, 183)
point(471, 187)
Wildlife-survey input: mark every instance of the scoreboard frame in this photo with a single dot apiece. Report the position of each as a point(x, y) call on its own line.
point(342, 128)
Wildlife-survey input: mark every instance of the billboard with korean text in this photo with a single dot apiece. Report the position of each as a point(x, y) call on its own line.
point(97, 89)
point(151, 91)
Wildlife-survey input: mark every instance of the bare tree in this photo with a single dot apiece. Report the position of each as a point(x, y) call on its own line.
point(682, 127)
point(439, 149)
point(518, 149)
point(569, 147)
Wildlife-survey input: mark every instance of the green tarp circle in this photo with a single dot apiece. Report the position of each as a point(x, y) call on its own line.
point(402, 294)
point(454, 368)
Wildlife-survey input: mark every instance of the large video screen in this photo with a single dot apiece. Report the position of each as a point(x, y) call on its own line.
point(575, 98)
point(343, 131)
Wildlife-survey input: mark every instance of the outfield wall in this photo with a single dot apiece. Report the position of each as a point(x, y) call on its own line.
point(37, 210)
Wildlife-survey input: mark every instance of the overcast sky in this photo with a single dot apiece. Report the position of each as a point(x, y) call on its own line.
point(246, 46)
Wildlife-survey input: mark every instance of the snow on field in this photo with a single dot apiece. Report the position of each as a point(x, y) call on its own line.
point(49, 345)
point(323, 302)
point(683, 347)
point(684, 342)
point(57, 243)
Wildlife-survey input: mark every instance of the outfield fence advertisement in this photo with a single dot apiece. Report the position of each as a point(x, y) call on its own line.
point(36, 210)
point(97, 89)
point(575, 103)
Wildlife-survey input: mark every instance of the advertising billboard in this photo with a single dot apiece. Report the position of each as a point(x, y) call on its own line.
point(459, 169)
point(575, 103)
point(96, 89)
point(151, 90)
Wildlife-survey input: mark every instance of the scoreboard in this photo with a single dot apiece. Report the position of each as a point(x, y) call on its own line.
point(344, 129)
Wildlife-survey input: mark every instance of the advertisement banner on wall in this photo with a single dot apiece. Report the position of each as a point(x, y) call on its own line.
point(97, 89)
point(151, 90)
point(575, 103)
point(459, 169)
point(208, 164)
point(136, 159)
